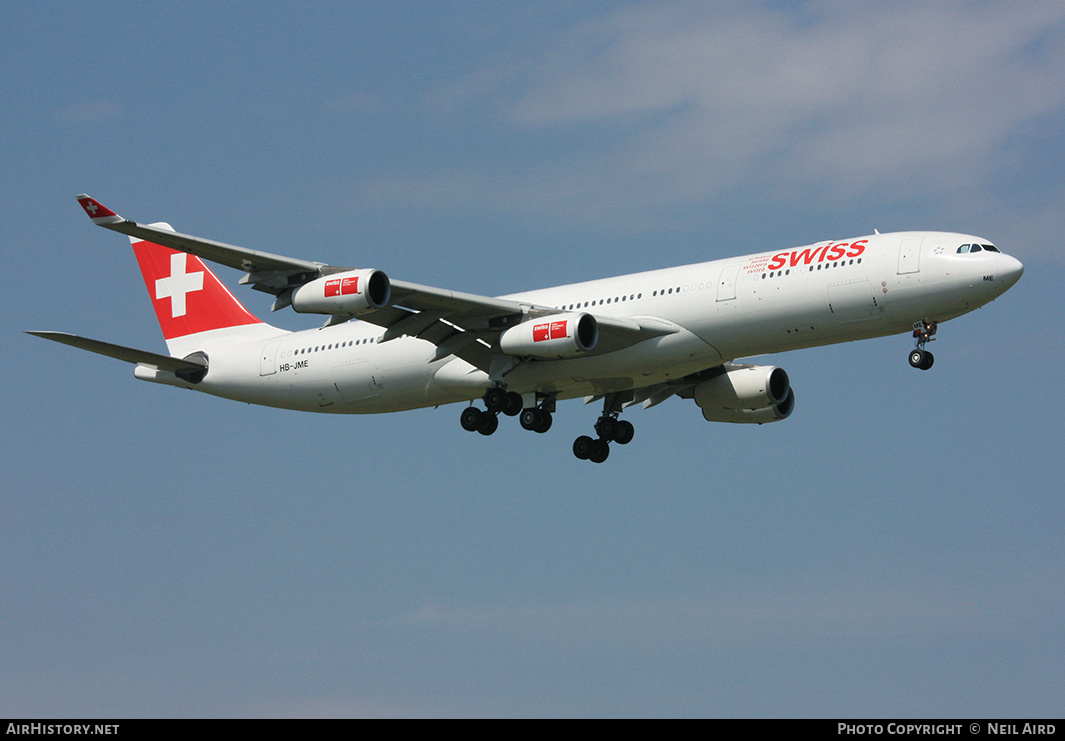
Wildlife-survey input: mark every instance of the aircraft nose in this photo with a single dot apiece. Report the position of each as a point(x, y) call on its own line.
point(1010, 269)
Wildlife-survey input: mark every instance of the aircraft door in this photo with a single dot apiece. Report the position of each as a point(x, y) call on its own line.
point(726, 284)
point(268, 360)
point(910, 255)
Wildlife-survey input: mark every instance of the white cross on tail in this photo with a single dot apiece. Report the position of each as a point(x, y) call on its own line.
point(178, 284)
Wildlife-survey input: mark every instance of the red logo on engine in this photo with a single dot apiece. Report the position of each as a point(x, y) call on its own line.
point(342, 286)
point(549, 331)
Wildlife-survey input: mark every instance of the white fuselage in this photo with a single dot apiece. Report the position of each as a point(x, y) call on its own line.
point(715, 311)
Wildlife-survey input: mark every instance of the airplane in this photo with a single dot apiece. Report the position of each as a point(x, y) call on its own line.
point(390, 345)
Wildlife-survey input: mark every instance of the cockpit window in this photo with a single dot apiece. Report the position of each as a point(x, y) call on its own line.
point(977, 248)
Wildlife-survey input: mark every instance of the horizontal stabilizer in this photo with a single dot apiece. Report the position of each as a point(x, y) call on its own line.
point(127, 354)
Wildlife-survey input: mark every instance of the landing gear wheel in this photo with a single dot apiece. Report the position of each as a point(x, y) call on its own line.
point(494, 399)
point(535, 420)
point(488, 423)
point(529, 418)
point(582, 447)
point(512, 404)
point(471, 419)
point(606, 428)
point(599, 451)
point(625, 432)
point(545, 422)
point(922, 359)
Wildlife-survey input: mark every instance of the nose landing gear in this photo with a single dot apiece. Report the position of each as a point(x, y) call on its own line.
point(923, 332)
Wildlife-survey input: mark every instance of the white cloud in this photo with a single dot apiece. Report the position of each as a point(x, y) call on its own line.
point(858, 94)
point(685, 101)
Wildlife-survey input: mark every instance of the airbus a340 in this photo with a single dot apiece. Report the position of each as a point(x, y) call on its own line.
point(391, 345)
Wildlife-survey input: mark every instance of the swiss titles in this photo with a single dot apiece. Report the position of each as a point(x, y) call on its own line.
point(810, 255)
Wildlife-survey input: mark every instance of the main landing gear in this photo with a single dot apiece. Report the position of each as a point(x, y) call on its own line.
point(923, 332)
point(609, 429)
point(498, 400)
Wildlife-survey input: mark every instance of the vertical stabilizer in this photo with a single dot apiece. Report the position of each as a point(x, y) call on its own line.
point(187, 297)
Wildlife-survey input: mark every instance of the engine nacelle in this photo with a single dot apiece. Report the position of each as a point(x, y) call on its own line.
point(554, 336)
point(746, 394)
point(351, 292)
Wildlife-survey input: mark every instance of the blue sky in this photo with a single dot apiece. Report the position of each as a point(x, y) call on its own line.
point(892, 549)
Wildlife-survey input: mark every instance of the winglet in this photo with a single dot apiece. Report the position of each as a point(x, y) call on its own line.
point(100, 214)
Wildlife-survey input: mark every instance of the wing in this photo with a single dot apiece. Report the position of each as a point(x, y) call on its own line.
point(461, 324)
point(265, 272)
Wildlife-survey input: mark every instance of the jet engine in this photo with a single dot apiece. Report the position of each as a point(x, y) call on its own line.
point(555, 336)
point(746, 394)
point(352, 292)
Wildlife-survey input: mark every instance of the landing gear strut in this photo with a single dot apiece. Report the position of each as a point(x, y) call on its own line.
point(609, 429)
point(923, 333)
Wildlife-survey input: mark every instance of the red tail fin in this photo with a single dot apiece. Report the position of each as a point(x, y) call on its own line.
point(186, 295)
